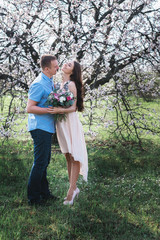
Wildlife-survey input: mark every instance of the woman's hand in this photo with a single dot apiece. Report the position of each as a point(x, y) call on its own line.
point(55, 110)
point(60, 110)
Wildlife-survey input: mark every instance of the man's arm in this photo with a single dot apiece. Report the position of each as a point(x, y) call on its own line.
point(33, 108)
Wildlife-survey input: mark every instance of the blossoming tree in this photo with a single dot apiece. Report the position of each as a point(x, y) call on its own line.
point(117, 43)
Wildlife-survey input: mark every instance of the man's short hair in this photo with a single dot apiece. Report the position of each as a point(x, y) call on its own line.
point(46, 60)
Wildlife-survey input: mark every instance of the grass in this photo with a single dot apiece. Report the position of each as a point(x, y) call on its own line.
point(121, 200)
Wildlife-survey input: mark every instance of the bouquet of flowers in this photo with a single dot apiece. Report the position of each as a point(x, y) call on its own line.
point(60, 98)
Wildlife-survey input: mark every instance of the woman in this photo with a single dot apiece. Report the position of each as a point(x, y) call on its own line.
point(69, 131)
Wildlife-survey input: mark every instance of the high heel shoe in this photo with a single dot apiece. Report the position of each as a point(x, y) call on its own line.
point(75, 193)
point(78, 191)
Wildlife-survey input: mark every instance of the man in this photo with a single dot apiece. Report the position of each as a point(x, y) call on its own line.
point(41, 126)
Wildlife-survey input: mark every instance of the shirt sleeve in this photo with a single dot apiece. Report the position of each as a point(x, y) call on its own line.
point(36, 92)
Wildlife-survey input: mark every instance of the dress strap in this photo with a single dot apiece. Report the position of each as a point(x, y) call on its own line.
point(66, 85)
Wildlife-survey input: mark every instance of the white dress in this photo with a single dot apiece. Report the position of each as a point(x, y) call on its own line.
point(71, 140)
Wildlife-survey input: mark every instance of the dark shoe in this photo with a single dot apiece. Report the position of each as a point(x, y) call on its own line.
point(49, 197)
point(36, 202)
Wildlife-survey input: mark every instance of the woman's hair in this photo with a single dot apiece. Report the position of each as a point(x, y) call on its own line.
point(46, 59)
point(76, 77)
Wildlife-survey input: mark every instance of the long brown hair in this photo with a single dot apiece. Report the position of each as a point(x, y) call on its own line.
point(76, 77)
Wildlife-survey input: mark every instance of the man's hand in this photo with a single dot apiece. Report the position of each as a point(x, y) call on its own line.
point(60, 110)
point(55, 110)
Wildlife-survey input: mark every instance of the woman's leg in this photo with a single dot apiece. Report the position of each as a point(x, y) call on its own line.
point(67, 155)
point(74, 174)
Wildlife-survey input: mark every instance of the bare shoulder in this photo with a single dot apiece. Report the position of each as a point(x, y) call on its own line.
point(72, 84)
point(72, 87)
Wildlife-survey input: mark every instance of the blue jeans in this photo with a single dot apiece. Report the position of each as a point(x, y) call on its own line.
point(38, 183)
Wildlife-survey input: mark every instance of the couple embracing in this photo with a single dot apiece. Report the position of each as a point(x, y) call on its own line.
point(69, 131)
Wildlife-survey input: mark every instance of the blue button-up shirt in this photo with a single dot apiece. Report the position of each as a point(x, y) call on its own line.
point(39, 90)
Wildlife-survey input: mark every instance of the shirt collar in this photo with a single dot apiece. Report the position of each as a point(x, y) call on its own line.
point(46, 78)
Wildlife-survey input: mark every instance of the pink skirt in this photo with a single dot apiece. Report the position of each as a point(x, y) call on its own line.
point(71, 140)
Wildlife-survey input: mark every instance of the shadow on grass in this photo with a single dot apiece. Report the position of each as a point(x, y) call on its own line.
point(108, 159)
point(98, 221)
point(15, 158)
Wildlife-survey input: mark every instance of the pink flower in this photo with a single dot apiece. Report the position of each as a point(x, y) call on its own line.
point(68, 98)
point(56, 96)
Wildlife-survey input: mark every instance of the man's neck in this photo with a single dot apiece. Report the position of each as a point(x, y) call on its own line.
point(49, 76)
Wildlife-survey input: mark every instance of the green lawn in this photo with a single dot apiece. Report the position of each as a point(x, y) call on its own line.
point(121, 200)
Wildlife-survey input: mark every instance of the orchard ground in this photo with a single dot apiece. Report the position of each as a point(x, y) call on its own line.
point(120, 201)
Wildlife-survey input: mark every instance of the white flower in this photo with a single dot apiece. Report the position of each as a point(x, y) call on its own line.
point(71, 95)
point(62, 99)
